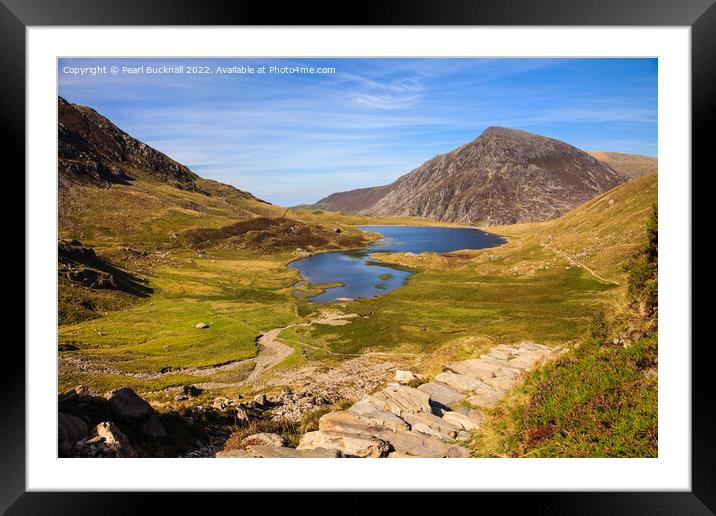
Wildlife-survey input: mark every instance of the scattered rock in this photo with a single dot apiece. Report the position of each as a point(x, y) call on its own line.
point(191, 390)
point(106, 440)
point(201, 325)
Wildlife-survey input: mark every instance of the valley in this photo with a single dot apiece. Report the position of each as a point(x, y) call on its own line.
point(185, 290)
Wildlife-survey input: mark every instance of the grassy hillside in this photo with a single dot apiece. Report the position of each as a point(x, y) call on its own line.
point(599, 234)
point(633, 165)
point(600, 398)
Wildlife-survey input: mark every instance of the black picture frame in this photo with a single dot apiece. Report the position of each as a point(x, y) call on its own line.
point(17, 15)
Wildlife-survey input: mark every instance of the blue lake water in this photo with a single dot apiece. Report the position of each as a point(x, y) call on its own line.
point(362, 276)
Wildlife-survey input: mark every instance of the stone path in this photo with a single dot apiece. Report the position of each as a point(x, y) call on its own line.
point(431, 420)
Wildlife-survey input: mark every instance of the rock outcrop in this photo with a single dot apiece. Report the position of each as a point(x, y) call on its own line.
point(118, 424)
point(94, 151)
point(505, 176)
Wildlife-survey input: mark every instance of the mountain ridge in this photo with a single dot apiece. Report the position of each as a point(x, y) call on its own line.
point(94, 151)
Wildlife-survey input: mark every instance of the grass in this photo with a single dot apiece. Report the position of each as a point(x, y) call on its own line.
point(437, 306)
point(599, 400)
point(238, 296)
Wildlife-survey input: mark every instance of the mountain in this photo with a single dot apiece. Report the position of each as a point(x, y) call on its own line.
point(112, 185)
point(632, 165)
point(505, 176)
point(94, 151)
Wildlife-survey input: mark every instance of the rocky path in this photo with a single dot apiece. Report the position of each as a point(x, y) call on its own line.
point(572, 261)
point(431, 420)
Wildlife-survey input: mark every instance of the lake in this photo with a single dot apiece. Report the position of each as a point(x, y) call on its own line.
point(362, 276)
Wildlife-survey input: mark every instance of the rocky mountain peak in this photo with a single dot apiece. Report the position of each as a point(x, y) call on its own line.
point(94, 151)
point(504, 176)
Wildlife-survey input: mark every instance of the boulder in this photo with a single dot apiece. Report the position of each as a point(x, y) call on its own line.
point(442, 393)
point(264, 439)
point(351, 445)
point(401, 400)
point(463, 436)
point(125, 405)
point(201, 325)
point(459, 382)
point(70, 429)
point(404, 377)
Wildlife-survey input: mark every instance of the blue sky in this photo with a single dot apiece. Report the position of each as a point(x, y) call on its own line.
point(294, 138)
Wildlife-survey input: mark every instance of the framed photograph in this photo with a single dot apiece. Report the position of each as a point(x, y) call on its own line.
point(426, 235)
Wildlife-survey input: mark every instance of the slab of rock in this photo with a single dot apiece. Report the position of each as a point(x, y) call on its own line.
point(272, 452)
point(398, 455)
point(463, 421)
point(420, 445)
point(347, 422)
point(351, 445)
point(404, 377)
point(442, 393)
point(234, 454)
point(485, 398)
point(459, 382)
point(474, 367)
point(402, 400)
point(525, 360)
point(374, 415)
point(437, 426)
point(498, 353)
point(264, 439)
point(502, 383)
